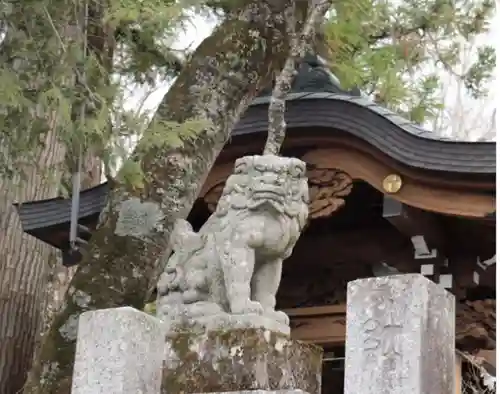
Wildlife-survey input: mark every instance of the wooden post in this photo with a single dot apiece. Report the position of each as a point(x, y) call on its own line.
point(400, 337)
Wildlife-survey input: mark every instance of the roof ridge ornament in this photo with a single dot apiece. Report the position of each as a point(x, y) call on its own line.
point(315, 76)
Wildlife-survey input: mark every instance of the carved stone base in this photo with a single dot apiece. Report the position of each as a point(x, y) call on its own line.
point(237, 360)
point(237, 322)
point(224, 322)
point(208, 316)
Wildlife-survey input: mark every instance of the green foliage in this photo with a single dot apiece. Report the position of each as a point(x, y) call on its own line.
point(62, 67)
point(65, 66)
point(390, 48)
point(165, 134)
point(131, 174)
point(481, 72)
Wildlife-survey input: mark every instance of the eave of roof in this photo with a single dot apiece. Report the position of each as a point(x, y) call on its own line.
point(388, 132)
point(317, 102)
point(56, 211)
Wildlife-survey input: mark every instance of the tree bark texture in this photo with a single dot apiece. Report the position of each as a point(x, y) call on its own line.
point(26, 267)
point(58, 279)
point(59, 276)
point(32, 279)
point(123, 260)
point(23, 273)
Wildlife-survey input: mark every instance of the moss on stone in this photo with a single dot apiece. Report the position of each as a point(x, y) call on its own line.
point(245, 359)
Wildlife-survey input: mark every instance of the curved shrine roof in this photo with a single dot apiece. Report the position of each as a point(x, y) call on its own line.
point(317, 102)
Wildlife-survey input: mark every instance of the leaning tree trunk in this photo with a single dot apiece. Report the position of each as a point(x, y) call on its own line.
point(123, 262)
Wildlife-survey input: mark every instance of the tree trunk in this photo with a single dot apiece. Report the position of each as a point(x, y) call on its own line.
point(23, 273)
point(124, 256)
point(58, 279)
point(26, 265)
point(59, 276)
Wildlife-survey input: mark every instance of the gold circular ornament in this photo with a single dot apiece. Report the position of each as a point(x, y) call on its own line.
point(392, 183)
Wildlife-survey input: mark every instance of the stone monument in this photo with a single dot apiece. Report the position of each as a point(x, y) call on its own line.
point(217, 296)
point(119, 350)
point(400, 336)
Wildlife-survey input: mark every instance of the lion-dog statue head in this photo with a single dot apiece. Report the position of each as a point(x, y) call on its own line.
point(263, 182)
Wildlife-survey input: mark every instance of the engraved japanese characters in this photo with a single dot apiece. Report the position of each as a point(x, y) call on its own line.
point(232, 266)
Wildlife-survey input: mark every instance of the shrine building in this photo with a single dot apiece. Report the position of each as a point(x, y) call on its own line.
point(387, 196)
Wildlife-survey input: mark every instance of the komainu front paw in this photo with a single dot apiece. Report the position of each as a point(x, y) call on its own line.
point(243, 307)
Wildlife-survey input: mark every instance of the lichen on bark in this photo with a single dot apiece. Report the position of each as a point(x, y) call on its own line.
point(225, 73)
point(138, 219)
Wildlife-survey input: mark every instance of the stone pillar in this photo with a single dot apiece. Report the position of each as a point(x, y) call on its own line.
point(400, 336)
point(242, 360)
point(118, 351)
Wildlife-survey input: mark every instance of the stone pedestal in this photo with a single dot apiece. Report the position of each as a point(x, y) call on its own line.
point(239, 360)
point(118, 351)
point(400, 336)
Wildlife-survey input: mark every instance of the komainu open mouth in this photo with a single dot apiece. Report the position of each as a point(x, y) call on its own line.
point(273, 194)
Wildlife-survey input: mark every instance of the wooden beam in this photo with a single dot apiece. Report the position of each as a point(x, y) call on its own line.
point(321, 325)
point(427, 237)
point(414, 222)
point(440, 194)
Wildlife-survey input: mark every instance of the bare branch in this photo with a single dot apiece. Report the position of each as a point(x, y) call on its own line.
point(299, 44)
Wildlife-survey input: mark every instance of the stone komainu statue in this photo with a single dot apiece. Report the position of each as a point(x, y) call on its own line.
point(233, 264)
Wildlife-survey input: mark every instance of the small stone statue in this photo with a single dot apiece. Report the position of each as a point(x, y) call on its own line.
point(229, 272)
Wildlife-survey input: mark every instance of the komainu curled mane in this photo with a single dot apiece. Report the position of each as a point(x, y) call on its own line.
point(233, 264)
